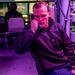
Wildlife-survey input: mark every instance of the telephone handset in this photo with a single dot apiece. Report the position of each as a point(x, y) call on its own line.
point(31, 18)
point(39, 27)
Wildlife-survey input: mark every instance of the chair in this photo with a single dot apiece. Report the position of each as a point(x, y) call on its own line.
point(15, 25)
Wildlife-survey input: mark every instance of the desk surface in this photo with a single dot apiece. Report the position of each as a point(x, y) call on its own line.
point(14, 64)
point(6, 51)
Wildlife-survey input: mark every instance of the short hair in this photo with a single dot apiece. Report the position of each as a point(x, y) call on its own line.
point(39, 4)
point(13, 5)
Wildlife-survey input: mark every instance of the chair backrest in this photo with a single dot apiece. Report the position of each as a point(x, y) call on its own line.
point(16, 24)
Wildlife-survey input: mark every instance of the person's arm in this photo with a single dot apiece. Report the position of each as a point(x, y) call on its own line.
point(69, 49)
point(6, 17)
point(23, 41)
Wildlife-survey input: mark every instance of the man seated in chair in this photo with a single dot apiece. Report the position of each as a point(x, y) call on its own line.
point(49, 43)
point(10, 14)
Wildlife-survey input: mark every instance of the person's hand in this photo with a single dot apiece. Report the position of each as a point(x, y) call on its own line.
point(34, 25)
point(73, 69)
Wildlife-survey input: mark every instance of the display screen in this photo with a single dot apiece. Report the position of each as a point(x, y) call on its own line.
point(3, 9)
point(31, 8)
point(22, 8)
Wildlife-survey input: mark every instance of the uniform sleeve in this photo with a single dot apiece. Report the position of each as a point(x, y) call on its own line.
point(23, 41)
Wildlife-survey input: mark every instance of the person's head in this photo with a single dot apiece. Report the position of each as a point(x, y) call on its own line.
point(13, 6)
point(41, 13)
